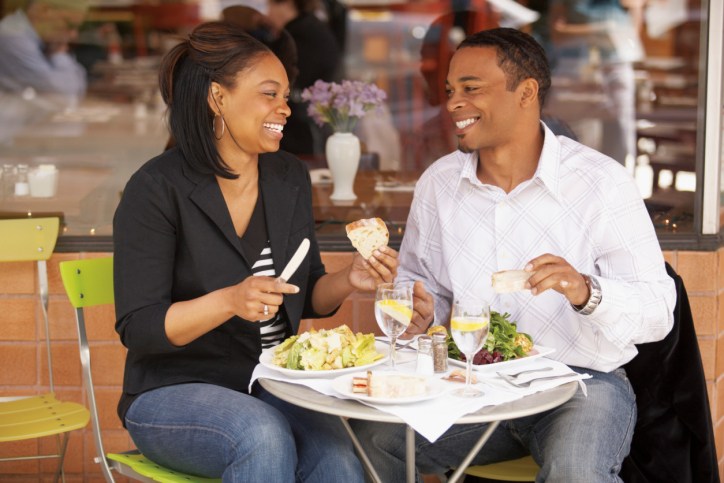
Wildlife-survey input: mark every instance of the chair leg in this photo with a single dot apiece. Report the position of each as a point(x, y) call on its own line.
point(62, 446)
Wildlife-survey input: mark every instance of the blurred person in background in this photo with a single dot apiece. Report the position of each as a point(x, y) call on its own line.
point(38, 74)
point(593, 44)
point(318, 57)
point(34, 49)
point(258, 25)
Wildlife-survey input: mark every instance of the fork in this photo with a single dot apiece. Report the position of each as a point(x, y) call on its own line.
point(398, 346)
point(512, 376)
point(528, 383)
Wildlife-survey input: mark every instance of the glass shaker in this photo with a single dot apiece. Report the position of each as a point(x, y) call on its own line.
point(424, 355)
point(439, 351)
point(22, 185)
point(7, 188)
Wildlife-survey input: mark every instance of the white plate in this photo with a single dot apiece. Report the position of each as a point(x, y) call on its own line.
point(265, 359)
point(536, 352)
point(343, 385)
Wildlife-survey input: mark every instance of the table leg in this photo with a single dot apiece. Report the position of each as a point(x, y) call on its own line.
point(361, 452)
point(410, 453)
point(459, 472)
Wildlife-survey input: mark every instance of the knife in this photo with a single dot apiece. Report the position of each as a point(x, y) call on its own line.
point(295, 261)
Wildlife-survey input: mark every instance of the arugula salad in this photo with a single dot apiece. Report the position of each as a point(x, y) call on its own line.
point(323, 350)
point(504, 342)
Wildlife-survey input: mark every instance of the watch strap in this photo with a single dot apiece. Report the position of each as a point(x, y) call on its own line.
point(594, 298)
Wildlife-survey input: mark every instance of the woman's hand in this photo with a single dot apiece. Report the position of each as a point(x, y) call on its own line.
point(550, 271)
point(259, 298)
point(380, 268)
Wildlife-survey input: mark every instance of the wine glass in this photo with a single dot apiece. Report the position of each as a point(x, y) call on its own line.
point(469, 325)
point(393, 311)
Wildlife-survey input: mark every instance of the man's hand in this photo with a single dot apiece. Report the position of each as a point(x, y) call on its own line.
point(422, 311)
point(550, 271)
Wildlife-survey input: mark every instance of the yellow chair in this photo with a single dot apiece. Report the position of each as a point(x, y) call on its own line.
point(521, 469)
point(89, 283)
point(30, 417)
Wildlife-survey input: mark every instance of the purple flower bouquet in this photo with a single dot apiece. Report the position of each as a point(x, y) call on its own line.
point(342, 105)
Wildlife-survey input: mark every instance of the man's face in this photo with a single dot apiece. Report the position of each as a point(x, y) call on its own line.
point(483, 109)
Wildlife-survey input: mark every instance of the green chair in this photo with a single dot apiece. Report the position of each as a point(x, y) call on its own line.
point(89, 283)
point(31, 417)
point(521, 469)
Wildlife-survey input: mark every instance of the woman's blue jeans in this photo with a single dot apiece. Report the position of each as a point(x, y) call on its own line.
point(211, 431)
point(582, 441)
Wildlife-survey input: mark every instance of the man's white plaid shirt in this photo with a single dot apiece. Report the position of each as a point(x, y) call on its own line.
point(580, 205)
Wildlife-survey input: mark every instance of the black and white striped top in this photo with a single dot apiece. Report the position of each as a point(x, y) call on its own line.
point(257, 249)
point(274, 329)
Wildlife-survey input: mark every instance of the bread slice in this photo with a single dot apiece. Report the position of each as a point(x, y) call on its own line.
point(392, 386)
point(510, 280)
point(368, 235)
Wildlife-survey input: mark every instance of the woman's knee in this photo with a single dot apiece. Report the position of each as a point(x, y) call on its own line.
point(238, 430)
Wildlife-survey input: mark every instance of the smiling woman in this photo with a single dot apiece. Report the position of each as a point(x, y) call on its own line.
point(200, 235)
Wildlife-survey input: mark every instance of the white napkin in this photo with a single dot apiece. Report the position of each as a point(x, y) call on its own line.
point(558, 368)
point(447, 408)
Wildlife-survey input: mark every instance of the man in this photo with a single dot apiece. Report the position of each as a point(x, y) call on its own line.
point(34, 49)
point(515, 196)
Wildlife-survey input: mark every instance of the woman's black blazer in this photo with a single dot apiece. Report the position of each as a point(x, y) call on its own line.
point(174, 240)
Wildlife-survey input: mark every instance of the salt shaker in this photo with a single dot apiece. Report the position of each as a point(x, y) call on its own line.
point(439, 351)
point(425, 364)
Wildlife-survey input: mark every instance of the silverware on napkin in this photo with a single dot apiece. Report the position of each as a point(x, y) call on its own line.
point(511, 377)
point(547, 378)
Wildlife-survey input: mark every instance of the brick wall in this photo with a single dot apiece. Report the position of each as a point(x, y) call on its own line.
point(22, 358)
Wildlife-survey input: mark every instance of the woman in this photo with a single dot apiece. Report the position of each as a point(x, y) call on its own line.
point(194, 227)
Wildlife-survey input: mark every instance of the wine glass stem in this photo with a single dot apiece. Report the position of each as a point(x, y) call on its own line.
point(468, 372)
point(393, 344)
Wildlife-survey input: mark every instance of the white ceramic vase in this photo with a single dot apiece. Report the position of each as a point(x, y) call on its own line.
point(343, 152)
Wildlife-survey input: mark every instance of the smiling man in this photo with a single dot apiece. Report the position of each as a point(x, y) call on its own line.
point(516, 196)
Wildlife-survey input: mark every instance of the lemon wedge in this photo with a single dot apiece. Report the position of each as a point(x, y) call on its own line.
point(468, 325)
point(397, 310)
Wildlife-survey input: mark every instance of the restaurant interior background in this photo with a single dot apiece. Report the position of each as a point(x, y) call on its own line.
point(670, 109)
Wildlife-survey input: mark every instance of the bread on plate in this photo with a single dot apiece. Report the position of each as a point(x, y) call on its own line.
point(389, 385)
point(368, 235)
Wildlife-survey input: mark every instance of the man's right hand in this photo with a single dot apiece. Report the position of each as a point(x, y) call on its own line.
point(422, 311)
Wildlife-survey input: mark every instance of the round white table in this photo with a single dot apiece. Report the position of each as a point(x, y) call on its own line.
point(345, 408)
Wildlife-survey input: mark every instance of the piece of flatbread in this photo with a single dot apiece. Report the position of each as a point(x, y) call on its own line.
point(510, 280)
point(368, 235)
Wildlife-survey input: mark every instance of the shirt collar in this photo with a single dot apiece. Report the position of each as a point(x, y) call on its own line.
point(549, 163)
point(547, 172)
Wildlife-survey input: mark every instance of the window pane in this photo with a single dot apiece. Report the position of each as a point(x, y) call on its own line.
point(626, 82)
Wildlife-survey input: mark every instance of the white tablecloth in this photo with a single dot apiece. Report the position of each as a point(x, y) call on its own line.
point(447, 408)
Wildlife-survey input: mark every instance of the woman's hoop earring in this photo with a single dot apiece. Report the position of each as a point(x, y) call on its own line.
point(223, 127)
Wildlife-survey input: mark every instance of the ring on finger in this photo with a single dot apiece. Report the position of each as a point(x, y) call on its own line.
point(266, 309)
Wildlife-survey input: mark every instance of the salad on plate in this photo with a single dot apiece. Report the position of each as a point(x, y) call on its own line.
point(504, 342)
point(326, 349)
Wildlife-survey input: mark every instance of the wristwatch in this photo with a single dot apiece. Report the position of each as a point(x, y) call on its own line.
point(594, 298)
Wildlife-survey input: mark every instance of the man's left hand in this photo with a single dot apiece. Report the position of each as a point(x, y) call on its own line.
point(553, 272)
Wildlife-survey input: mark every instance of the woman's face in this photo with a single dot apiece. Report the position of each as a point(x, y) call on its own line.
point(255, 109)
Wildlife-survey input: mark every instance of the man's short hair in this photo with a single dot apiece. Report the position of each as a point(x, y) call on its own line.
point(519, 56)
